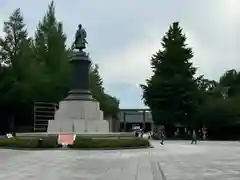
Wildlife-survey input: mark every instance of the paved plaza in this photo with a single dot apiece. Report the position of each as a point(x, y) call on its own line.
point(176, 160)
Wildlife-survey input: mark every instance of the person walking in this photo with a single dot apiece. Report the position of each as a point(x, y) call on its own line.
point(141, 133)
point(162, 138)
point(136, 133)
point(194, 137)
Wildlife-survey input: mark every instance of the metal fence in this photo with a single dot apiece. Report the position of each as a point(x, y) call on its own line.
point(43, 112)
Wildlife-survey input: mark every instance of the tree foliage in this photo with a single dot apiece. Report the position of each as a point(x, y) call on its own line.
point(52, 55)
point(171, 91)
point(209, 89)
point(16, 56)
point(219, 112)
point(224, 109)
point(230, 80)
point(108, 103)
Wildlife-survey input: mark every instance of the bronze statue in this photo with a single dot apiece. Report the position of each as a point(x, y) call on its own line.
point(80, 38)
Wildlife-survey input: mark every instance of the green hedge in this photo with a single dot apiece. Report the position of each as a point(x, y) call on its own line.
point(47, 142)
point(89, 143)
point(80, 143)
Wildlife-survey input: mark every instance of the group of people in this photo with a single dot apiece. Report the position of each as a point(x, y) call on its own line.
point(162, 136)
point(194, 137)
point(140, 133)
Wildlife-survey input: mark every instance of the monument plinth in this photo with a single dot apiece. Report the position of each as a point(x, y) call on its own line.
point(79, 112)
point(79, 84)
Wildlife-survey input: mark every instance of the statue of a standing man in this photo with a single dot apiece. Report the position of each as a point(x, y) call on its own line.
point(80, 38)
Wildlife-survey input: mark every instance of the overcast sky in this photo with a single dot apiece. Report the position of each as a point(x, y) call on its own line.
point(123, 34)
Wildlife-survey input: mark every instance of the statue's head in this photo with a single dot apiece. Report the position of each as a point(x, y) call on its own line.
point(79, 26)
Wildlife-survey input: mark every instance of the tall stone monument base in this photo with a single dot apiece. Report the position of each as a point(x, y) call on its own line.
point(78, 117)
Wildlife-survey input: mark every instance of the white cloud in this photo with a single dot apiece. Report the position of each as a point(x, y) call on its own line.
point(229, 7)
point(131, 64)
point(212, 60)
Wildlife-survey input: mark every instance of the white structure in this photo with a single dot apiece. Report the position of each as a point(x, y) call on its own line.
point(78, 116)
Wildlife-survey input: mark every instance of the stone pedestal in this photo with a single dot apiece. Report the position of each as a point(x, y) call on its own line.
point(79, 112)
point(78, 117)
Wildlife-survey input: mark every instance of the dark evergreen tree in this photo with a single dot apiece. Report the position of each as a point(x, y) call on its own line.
point(209, 89)
point(17, 74)
point(15, 35)
point(52, 56)
point(15, 55)
point(218, 112)
point(171, 93)
point(96, 82)
point(109, 104)
point(230, 81)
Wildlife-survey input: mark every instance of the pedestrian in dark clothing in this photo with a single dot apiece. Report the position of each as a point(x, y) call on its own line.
point(142, 132)
point(194, 137)
point(136, 134)
point(162, 138)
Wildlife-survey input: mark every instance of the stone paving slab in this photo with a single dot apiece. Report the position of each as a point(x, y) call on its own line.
point(176, 160)
point(207, 160)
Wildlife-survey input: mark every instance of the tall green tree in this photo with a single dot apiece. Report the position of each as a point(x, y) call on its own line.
point(172, 90)
point(52, 55)
point(16, 55)
point(18, 73)
point(15, 34)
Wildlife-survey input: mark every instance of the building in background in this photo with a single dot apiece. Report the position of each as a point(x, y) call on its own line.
point(135, 118)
